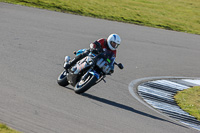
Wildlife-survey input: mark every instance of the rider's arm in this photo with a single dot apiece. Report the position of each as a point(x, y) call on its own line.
point(96, 47)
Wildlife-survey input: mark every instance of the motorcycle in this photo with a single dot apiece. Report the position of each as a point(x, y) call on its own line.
point(88, 71)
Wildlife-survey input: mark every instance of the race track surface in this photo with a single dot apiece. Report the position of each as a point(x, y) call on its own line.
point(33, 45)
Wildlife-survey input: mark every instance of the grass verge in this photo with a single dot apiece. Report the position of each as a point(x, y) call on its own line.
point(5, 129)
point(189, 101)
point(178, 15)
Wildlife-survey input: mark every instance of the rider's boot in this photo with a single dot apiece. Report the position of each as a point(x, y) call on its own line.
point(76, 59)
point(72, 62)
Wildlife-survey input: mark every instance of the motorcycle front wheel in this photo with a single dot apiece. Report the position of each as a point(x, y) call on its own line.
point(85, 84)
point(62, 79)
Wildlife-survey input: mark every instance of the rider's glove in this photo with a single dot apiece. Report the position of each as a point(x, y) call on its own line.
point(109, 69)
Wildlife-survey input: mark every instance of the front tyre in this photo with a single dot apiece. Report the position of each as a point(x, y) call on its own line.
point(85, 84)
point(62, 79)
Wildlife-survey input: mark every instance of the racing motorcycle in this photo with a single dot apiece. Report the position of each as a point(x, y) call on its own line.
point(88, 71)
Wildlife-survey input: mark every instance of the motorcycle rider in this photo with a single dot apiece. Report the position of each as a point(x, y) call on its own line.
point(110, 44)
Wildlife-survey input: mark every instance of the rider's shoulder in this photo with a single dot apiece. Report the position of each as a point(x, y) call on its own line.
point(101, 40)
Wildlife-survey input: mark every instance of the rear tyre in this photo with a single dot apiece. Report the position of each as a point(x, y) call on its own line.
point(85, 84)
point(62, 79)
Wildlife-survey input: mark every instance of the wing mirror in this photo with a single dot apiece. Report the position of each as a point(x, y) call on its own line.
point(120, 66)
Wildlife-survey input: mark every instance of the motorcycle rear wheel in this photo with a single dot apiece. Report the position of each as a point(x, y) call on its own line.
point(62, 79)
point(83, 85)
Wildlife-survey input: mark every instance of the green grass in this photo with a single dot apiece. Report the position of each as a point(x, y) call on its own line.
point(5, 129)
point(189, 101)
point(178, 15)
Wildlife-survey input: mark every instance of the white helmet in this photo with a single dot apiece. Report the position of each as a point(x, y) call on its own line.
point(113, 41)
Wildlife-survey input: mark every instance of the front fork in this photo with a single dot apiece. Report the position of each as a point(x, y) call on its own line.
point(98, 76)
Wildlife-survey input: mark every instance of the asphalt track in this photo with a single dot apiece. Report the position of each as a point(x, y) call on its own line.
point(33, 45)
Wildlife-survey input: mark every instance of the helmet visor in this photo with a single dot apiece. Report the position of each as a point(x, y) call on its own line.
point(114, 45)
